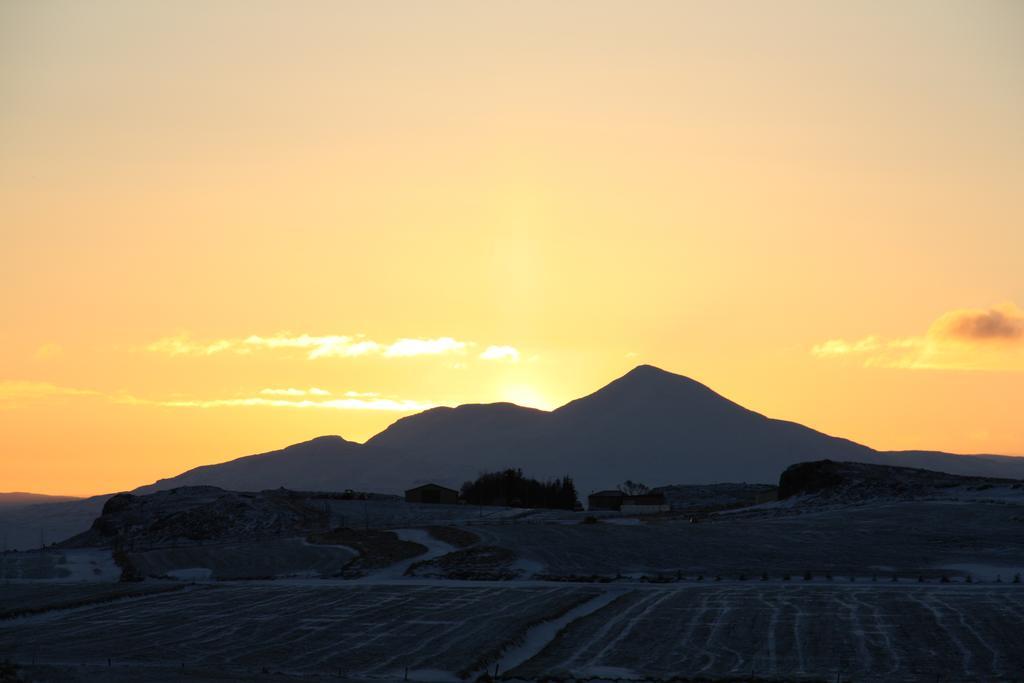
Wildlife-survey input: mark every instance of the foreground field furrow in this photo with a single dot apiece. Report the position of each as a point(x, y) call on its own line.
point(784, 630)
point(797, 631)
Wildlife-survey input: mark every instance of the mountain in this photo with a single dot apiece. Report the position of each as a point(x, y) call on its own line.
point(327, 463)
point(19, 498)
point(649, 425)
point(24, 526)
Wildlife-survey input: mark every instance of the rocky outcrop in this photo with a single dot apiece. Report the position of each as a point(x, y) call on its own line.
point(853, 481)
point(201, 513)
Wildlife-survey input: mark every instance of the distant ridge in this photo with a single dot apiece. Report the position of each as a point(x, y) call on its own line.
point(18, 498)
point(649, 425)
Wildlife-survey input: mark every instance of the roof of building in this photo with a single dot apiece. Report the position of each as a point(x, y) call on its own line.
point(427, 486)
point(646, 499)
point(607, 494)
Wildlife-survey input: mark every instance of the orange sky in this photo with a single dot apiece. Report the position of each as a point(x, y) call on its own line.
point(227, 227)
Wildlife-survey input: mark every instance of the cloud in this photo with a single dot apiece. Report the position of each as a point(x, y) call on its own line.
point(13, 390)
point(841, 347)
point(963, 339)
point(424, 347)
point(348, 403)
point(180, 345)
point(313, 391)
point(999, 323)
point(316, 347)
point(508, 354)
point(330, 346)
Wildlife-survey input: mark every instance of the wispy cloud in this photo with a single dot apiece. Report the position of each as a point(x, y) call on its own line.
point(14, 390)
point(181, 345)
point(329, 346)
point(347, 403)
point(312, 391)
point(424, 347)
point(963, 339)
point(508, 354)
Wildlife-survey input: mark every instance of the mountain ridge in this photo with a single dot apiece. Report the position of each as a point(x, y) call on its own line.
point(649, 424)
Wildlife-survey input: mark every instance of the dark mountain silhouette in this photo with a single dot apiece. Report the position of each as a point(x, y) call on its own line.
point(649, 425)
point(327, 463)
point(854, 482)
point(19, 498)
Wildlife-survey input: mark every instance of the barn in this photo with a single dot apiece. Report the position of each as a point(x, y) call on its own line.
point(646, 504)
point(605, 500)
point(432, 493)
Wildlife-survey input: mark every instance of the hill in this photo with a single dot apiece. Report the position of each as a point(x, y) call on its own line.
point(649, 425)
point(20, 498)
point(853, 482)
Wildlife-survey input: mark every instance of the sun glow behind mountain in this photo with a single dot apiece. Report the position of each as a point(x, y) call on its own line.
point(812, 207)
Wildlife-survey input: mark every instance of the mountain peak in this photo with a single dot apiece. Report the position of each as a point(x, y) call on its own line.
point(650, 389)
point(650, 377)
point(645, 370)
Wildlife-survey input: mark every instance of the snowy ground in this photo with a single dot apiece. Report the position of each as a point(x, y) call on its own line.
point(863, 632)
point(906, 538)
point(268, 558)
point(85, 564)
point(929, 625)
point(903, 632)
point(364, 630)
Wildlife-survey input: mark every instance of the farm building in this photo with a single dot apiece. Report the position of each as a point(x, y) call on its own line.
point(645, 504)
point(633, 505)
point(605, 500)
point(432, 493)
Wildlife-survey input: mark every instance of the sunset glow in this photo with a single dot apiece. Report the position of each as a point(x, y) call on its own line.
point(226, 231)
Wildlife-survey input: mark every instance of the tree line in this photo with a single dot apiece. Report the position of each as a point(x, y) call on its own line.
point(510, 487)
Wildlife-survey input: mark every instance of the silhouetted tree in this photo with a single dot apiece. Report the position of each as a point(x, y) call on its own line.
point(510, 487)
point(634, 488)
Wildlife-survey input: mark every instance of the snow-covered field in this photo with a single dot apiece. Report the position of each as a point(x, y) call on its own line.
point(269, 558)
point(906, 538)
point(868, 631)
point(655, 620)
point(364, 630)
point(862, 632)
point(79, 564)
point(397, 513)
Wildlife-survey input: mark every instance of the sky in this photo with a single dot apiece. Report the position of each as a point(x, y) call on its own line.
point(228, 227)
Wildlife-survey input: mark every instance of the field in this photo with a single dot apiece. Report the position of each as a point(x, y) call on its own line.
point(60, 565)
point(872, 591)
point(908, 539)
point(440, 632)
point(864, 633)
point(264, 559)
point(17, 599)
point(374, 631)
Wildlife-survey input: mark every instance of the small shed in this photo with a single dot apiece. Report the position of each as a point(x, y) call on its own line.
point(432, 493)
point(648, 503)
point(605, 500)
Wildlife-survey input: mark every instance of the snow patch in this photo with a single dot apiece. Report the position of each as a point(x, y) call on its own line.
point(538, 637)
point(985, 572)
point(433, 676)
point(192, 574)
